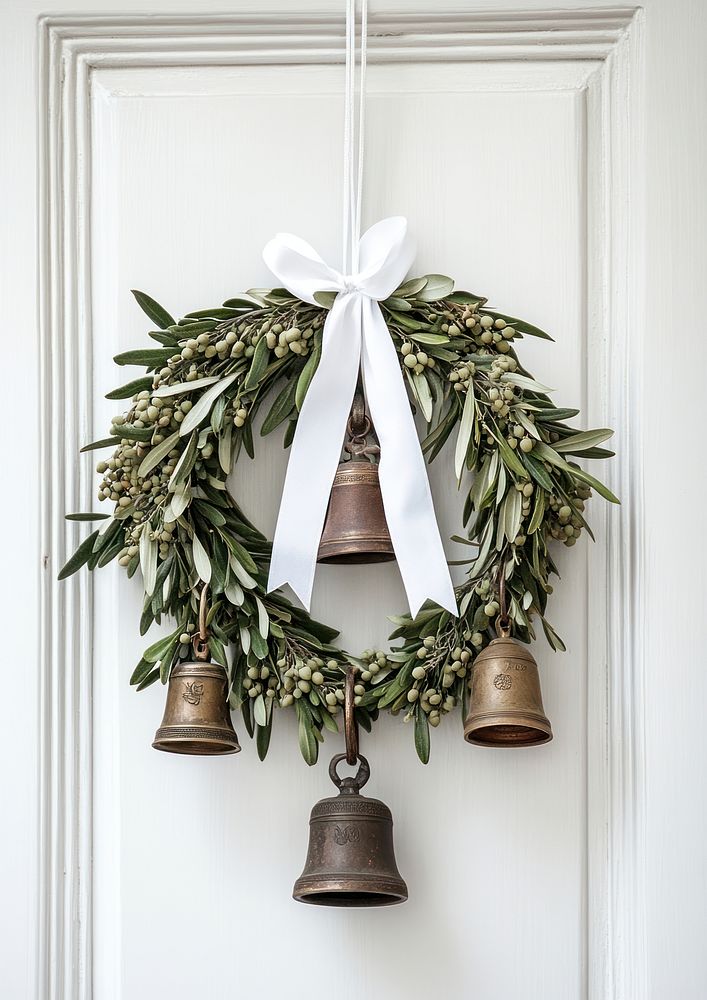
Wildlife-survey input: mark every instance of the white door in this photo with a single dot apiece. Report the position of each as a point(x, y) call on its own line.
point(551, 161)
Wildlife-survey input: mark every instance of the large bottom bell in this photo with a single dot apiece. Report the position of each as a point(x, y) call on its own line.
point(355, 530)
point(197, 719)
point(350, 860)
point(506, 706)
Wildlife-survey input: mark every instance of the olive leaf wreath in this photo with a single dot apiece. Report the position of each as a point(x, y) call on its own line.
point(175, 519)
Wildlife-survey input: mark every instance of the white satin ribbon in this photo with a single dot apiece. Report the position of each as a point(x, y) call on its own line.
point(355, 334)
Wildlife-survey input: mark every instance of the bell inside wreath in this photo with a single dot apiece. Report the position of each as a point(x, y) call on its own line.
point(355, 530)
point(350, 860)
point(197, 719)
point(506, 706)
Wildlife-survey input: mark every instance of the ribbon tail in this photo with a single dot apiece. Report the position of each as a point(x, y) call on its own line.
point(316, 451)
point(407, 498)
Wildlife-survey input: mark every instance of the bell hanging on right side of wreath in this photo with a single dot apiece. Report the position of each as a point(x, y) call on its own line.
point(506, 706)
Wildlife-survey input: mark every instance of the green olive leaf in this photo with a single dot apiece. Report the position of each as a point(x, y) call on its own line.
point(308, 372)
point(153, 310)
point(258, 365)
point(263, 618)
point(583, 440)
point(131, 388)
point(147, 358)
point(110, 442)
point(179, 388)
point(259, 713)
point(438, 286)
point(423, 395)
point(201, 409)
point(523, 382)
point(422, 736)
point(79, 558)
point(148, 559)
point(466, 427)
point(281, 408)
point(202, 562)
point(155, 455)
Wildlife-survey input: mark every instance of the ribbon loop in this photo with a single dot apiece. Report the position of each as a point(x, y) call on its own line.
point(355, 335)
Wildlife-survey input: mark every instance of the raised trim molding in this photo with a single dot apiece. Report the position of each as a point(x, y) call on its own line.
point(608, 43)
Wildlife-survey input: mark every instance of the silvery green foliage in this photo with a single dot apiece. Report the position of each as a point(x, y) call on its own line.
point(207, 381)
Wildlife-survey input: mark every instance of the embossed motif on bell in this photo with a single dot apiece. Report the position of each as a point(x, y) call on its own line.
point(350, 859)
point(197, 719)
point(355, 530)
point(506, 706)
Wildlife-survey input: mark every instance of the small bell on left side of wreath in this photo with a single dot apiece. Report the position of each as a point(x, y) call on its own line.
point(197, 717)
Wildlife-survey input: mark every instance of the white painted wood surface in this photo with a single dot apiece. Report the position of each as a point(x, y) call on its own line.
point(169, 149)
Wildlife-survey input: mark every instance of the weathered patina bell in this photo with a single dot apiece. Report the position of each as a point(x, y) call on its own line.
point(350, 860)
point(506, 706)
point(197, 718)
point(355, 530)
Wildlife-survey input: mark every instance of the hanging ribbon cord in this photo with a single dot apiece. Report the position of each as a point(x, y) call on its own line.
point(354, 139)
point(355, 336)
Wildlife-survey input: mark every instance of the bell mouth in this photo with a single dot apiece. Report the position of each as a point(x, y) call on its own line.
point(358, 898)
point(508, 736)
point(196, 749)
point(207, 745)
point(354, 558)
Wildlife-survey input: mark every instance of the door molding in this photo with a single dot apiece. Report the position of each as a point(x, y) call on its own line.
point(606, 48)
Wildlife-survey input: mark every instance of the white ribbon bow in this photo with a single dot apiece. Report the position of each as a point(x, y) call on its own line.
point(355, 334)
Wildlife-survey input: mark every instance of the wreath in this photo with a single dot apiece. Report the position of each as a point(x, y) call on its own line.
point(195, 410)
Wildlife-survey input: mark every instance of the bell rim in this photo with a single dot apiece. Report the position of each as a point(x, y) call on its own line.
point(321, 890)
point(352, 555)
point(485, 721)
point(207, 741)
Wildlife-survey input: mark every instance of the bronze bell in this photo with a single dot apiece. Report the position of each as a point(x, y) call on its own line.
point(350, 860)
point(197, 717)
point(506, 706)
point(355, 530)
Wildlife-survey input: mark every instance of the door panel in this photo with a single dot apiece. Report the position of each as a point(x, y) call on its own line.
point(550, 159)
point(194, 859)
